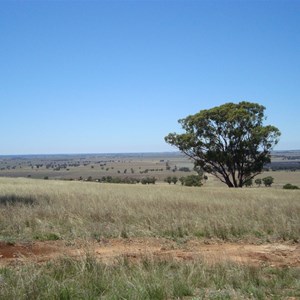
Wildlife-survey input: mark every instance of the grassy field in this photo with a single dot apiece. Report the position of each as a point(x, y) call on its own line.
point(42, 210)
point(71, 210)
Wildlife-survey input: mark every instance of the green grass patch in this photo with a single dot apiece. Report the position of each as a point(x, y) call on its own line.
point(89, 279)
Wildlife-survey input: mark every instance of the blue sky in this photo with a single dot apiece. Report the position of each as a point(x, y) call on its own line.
point(115, 76)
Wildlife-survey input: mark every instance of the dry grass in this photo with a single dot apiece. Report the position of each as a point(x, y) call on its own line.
point(283, 177)
point(39, 209)
point(46, 210)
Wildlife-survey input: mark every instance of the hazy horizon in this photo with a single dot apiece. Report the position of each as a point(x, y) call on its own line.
point(118, 153)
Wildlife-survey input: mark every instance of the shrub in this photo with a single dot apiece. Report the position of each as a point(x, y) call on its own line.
point(289, 186)
point(192, 180)
point(182, 179)
point(184, 169)
point(174, 179)
point(258, 181)
point(148, 180)
point(168, 180)
point(268, 181)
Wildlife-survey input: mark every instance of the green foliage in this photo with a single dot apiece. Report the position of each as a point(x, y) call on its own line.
point(168, 179)
point(88, 278)
point(174, 179)
point(248, 182)
point(50, 236)
point(110, 179)
point(148, 180)
point(124, 234)
point(181, 179)
point(191, 180)
point(184, 169)
point(228, 141)
point(258, 181)
point(268, 181)
point(289, 186)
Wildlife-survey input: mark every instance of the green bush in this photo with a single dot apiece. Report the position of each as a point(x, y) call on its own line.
point(268, 181)
point(191, 180)
point(174, 179)
point(168, 180)
point(184, 169)
point(289, 186)
point(248, 183)
point(110, 179)
point(258, 181)
point(148, 180)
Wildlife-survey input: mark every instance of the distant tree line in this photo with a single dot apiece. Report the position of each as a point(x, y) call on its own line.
point(190, 180)
point(126, 180)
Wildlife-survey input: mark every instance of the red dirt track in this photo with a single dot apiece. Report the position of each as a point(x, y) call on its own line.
point(135, 249)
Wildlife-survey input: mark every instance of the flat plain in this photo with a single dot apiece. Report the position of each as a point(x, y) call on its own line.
point(79, 239)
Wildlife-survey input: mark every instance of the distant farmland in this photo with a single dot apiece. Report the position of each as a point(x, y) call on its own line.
point(135, 166)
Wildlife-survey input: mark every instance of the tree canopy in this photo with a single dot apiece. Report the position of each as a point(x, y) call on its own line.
point(228, 141)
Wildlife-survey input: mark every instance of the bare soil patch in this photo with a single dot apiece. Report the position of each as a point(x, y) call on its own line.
point(135, 249)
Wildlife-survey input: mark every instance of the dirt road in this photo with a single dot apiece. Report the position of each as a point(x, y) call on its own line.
point(135, 249)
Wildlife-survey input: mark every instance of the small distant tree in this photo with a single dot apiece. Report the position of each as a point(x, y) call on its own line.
point(268, 181)
point(258, 181)
point(168, 179)
point(168, 166)
point(192, 180)
point(148, 180)
point(174, 179)
point(184, 169)
point(182, 179)
point(151, 180)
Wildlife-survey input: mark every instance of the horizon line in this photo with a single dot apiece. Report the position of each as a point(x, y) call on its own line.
point(118, 153)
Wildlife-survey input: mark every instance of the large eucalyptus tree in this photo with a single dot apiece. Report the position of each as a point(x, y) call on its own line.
point(228, 141)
